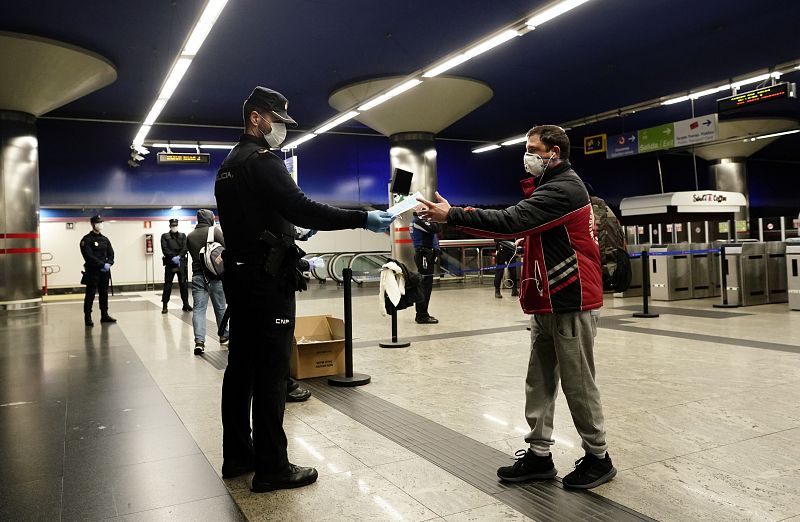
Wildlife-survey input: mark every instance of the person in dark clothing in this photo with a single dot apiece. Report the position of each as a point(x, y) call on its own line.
point(175, 258)
point(426, 253)
point(204, 283)
point(562, 290)
point(98, 256)
point(504, 255)
point(259, 205)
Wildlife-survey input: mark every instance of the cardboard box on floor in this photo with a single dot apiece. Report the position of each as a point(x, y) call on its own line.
point(318, 347)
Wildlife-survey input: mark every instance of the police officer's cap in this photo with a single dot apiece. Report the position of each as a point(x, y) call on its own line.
point(272, 101)
point(95, 219)
point(173, 222)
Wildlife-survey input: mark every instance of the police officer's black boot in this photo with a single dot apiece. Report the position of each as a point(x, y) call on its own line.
point(105, 318)
point(87, 320)
point(164, 308)
point(186, 307)
point(514, 292)
point(497, 293)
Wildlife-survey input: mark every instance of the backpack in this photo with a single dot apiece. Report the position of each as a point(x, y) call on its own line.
point(211, 256)
point(614, 258)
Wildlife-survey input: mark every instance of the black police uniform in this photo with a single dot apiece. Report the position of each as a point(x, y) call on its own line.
point(175, 244)
point(97, 251)
point(426, 252)
point(255, 193)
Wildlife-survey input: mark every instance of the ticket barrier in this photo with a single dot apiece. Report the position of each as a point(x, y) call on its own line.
point(670, 274)
point(793, 275)
point(745, 267)
point(776, 272)
point(635, 288)
point(704, 270)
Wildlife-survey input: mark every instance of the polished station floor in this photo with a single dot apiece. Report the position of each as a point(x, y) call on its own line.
point(122, 421)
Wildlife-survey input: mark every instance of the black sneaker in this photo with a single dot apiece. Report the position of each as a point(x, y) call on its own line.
point(186, 307)
point(292, 477)
point(87, 320)
point(232, 469)
point(528, 466)
point(497, 294)
point(515, 292)
point(199, 347)
point(223, 340)
point(164, 309)
point(590, 472)
point(107, 319)
point(429, 319)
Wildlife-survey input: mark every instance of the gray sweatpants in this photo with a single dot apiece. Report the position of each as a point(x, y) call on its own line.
point(562, 347)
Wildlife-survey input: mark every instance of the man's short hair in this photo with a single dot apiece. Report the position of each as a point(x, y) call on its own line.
point(552, 135)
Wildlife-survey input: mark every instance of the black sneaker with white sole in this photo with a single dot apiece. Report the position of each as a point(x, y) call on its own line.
point(528, 466)
point(590, 471)
point(199, 347)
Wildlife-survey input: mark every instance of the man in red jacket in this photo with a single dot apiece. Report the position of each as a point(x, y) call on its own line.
point(561, 287)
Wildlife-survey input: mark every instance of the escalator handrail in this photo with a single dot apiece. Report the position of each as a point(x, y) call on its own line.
point(360, 254)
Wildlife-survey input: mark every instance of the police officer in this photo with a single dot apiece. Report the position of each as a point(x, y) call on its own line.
point(175, 248)
point(426, 251)
point(98, 256)
point(259, 204)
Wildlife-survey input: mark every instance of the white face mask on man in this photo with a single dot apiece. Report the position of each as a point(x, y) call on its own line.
point(276, 136)
point(173, 229)
point(535, 165)
point(98, 227)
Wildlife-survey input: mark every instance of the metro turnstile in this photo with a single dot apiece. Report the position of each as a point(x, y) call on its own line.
point(776, 272)
point(704, 270)
point(635, 288)
point(793, 275)
point(746, 266)
point(670, 275)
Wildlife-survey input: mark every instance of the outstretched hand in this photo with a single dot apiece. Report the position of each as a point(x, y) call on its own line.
point(436, 212)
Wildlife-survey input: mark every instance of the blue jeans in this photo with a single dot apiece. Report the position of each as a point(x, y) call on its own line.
point(201, 290)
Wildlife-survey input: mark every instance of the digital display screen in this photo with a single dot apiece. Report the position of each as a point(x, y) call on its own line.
point(755, 97)
point(172, 158)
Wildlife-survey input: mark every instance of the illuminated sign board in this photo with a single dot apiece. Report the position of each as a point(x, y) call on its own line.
point(594, 144)
point(172, 158)
point(756, 97)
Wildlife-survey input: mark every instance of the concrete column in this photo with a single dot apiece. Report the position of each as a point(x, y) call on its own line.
point(730, 174)
point(20, 258)
point(416, 153)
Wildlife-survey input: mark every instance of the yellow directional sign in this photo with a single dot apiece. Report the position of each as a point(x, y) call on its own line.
point(594, 144)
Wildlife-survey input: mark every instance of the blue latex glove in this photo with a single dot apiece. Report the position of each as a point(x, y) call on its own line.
point(378, 221)
point(106, 268)
point(176, 260)
point(305, 233)
point(316, 262)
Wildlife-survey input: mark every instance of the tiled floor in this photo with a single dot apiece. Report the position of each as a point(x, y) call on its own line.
point(122, 421)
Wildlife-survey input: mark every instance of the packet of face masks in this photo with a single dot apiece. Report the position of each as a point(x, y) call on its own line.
point(404, 206)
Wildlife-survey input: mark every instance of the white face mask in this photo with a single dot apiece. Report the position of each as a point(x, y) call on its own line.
point(173, 229)
point(276, 136)
point(535, 165)
point(98, 226)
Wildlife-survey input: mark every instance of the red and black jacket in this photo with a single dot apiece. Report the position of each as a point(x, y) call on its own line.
point(561, 265)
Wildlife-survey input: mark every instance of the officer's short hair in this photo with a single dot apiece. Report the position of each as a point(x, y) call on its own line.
point(248, 108)
point(552, 135)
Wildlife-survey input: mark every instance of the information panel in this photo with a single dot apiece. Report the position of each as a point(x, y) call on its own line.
point(173, 158)
point(756, 97)
point(594, 144)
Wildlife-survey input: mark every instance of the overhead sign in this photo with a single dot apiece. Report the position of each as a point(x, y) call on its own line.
point(756, 97)
point(695, 130)
point(620, 145)
point(594, 144)
point(656, 138)
point(172, 158)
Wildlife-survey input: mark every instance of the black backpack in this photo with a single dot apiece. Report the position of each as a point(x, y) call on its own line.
point(414, 293)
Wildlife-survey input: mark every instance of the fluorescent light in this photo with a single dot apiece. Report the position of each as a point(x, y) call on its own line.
point(696, 95)
point(675, 100)
point(755, 79)
point(491, 43)
point(484, 149)
point(775, 135)
point(217, 146)
point(514, 141)
point(203, 27)
point(552, 12)
point(176, 207)
point(174, 145)
point(158, 106)
point(449, 64)
point(298, 141)
point(390, 94)
point(175, 77)
point(338, 121)
point(138, 141)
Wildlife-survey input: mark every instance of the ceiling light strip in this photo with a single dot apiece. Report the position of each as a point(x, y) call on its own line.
point(553, 11)
point(197, 36)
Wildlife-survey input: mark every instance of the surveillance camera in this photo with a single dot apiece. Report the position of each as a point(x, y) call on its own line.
point(132, 163)
point(137, 157)
point(140, 149)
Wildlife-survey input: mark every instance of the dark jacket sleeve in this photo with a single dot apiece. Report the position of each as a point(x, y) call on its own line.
point(218, 237)
point(184, 246)
point(165, 250)
point(274, 181)
point(88, 255)
point(110, 253)
point(541, 211)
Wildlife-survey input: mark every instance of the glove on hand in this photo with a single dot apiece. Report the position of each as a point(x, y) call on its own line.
point(106, 268)
point(378, 221)
point(316, 262)
point(176, 260)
